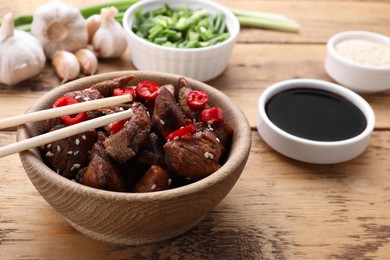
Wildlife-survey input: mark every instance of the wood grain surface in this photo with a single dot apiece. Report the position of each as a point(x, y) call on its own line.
point(279, 208)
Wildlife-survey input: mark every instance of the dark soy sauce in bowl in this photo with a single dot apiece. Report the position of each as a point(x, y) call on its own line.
point(315, 114)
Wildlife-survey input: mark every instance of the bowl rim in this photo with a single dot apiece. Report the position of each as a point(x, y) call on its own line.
point(344, 92)
point(376, 37)
point(229, 16)
point(237, 155)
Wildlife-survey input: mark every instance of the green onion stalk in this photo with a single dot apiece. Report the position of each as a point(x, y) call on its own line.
point(253, 19)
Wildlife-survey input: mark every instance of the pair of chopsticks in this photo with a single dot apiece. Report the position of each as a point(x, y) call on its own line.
point(66, 131)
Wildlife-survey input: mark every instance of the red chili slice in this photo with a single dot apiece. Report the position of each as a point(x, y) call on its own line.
point(197, 99)
point(70, 119)
point(214, 114)
point(124, 91)
point(147, 90)
point(179, 133)
point(116, 126)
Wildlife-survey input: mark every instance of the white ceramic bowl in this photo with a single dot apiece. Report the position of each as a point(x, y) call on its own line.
point(359, 77)
point(321, 152)
point(202, 64)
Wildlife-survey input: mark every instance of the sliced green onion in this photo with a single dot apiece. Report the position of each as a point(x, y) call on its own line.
point(182, 27)
point(265, 20)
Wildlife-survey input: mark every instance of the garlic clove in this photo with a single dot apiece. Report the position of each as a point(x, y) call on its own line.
point(110, 39)
point(87, 60)
point(93, 24)
point(21, 54)
point(59, 26)
point(65, 65)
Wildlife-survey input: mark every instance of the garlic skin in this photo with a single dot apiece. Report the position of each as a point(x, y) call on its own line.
point(93, 24)
point(59, 26)
point(87, 60)
point(21, 54)
point(66, 65)
point(109, 40)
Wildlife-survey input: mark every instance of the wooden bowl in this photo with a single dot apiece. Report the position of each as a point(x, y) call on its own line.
point(136, 218)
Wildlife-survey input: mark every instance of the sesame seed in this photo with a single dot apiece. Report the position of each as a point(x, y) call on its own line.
point(77, 141)
point(76, 153)
point(162, 122)
point(169, 182)
point(75, 166)
point(58, 148)
point(86, 99)
point(70, 152)
point(49, 154)
point(209, 127)
point(121, 109)
point(153, 187)
point(77, 97)
point(208, 155)
point(48, 146)
point(217, 139)
point(84, 137)
point(175, 138)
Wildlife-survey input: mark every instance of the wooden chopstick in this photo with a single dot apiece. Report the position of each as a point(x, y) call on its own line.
point(64, 133)
point(62, 111)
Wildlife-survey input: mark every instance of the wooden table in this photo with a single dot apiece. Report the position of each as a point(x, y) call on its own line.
point(280, 208)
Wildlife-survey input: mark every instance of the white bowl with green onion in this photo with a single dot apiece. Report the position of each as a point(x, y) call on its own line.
point(193, 38)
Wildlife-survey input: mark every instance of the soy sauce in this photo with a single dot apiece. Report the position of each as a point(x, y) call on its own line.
point(315, 114)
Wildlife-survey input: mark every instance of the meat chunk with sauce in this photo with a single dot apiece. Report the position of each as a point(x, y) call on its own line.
point(124, 144)
point(81, 96)
point(106, 87)
point(101, 173)
point(151, 152)
point(193, 156)
point(67, 156)
point(154, 179)
point(167, 116)
point(183, 90)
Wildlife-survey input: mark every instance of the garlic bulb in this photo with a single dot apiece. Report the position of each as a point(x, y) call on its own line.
point(21, 54)
point(93, 24)
point(59, 26)
point(109, 40)
point(88, 61)
point(66, 65)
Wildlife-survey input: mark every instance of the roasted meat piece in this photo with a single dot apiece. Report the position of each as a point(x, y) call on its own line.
point(101, 173)
point(151, 152)
point(84, 95)
point(193, 156)
point(182, 92)
point(81, 96)
point(124, 144)
point(67, 156)
point(167, 116)
point(154, 179)
point(223, 132)
point(106, 87)
point(87, 95)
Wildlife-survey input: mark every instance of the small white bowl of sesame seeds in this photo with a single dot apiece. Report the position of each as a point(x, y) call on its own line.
point(359, 60)
point(129, 218)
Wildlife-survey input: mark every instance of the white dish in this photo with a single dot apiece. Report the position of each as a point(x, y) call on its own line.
point(320, 152)
point(361, 78)
point(202, 64)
